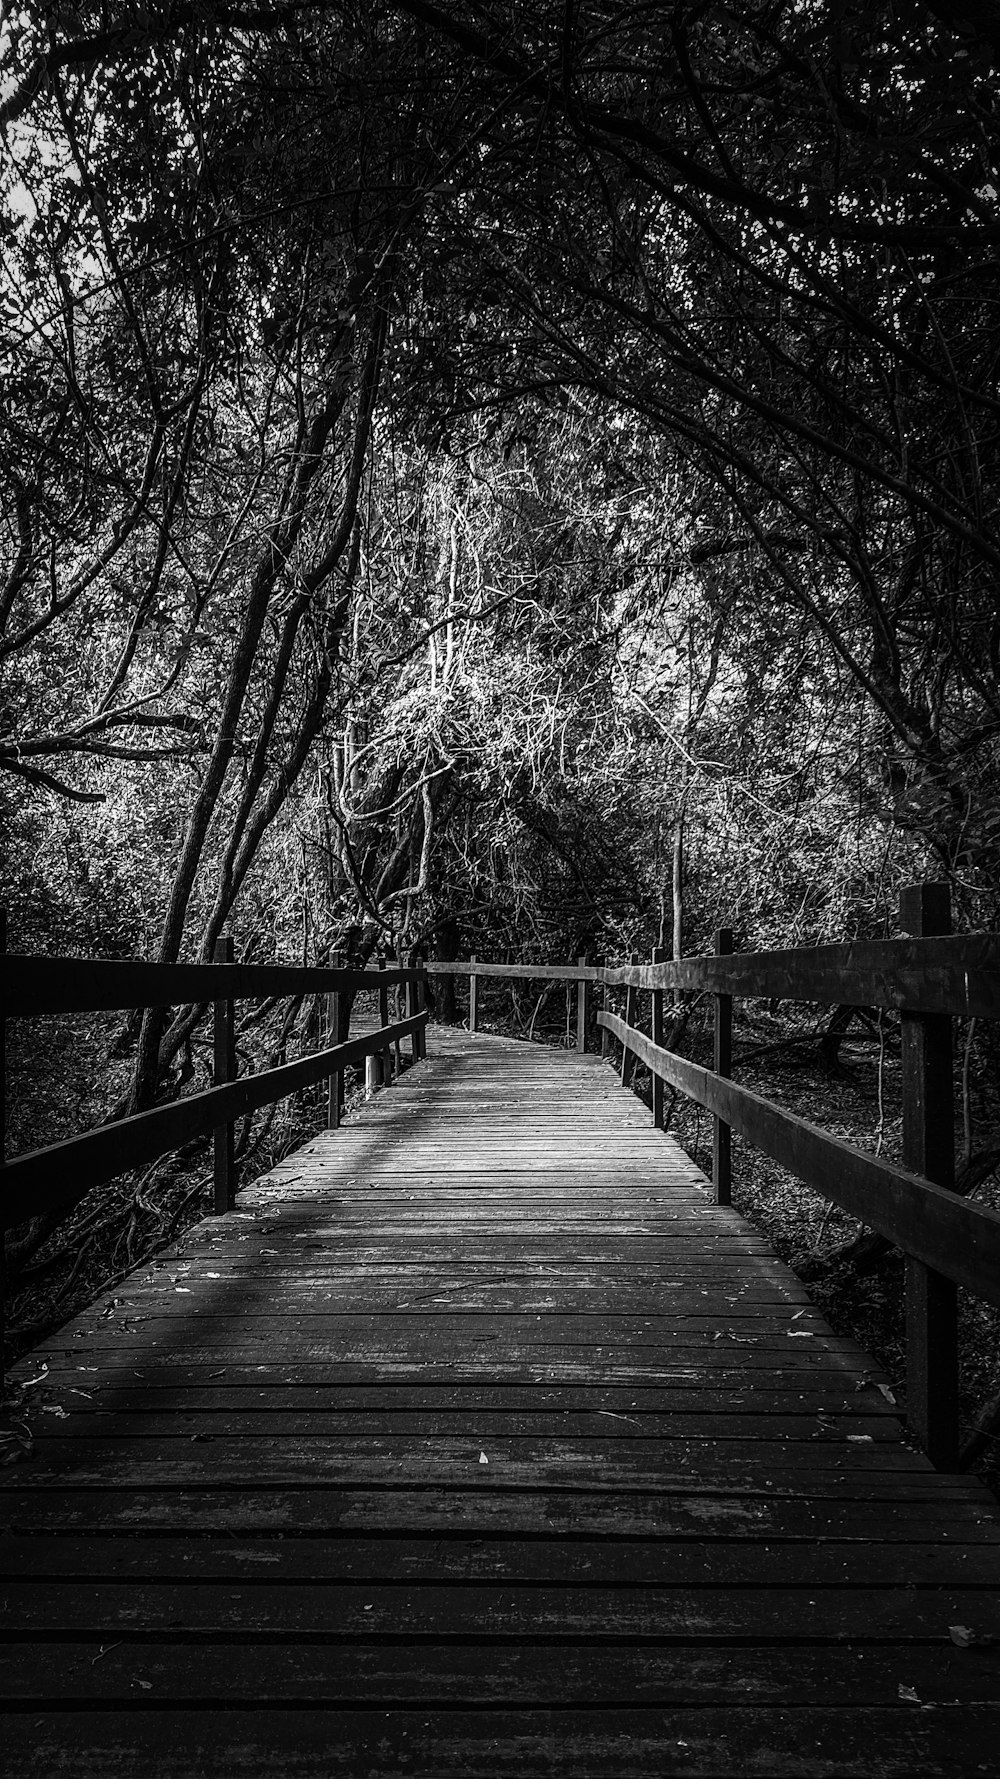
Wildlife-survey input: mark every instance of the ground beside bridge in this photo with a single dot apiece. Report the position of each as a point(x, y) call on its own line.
point(479, 1442)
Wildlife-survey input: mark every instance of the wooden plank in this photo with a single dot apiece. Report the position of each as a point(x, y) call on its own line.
point(587, 1563)
point(958, 974)
point(952, 1519)
point(514, 1674)
point(959, 1239)
point(251, 1605)
point(630, 1743)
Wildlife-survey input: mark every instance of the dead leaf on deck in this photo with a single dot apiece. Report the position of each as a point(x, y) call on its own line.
point(964, 1637)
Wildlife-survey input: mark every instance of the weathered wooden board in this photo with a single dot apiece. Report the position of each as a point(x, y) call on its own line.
point(581, 1743)
point(478, 1441)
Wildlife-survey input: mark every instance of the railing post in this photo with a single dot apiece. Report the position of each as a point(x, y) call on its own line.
point(473, 995)
point(656, 1032)
point(385, 1057)
point(582, 1008)
point(929, 1149)
point(224, 1055)
point(410, 1006)
point(3, 1142)
point(414, 1005)
point(335, 1082)
point(398, 960)
point(631, 1003)
point(605, 1006)
point(722, 1062)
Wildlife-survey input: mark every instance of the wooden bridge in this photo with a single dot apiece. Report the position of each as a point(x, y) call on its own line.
point(480, 1439)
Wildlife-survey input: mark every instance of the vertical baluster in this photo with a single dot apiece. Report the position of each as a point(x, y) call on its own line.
point(417, 1002)
point(656, 1027)
point(397, 1015)
point(335, 1083)
point(929, 1149)
point(473, 994)
point(410, 1004)
point(605, 1008)
point(631, 1004)
point(385, 1061)
point(224, 1055)
point(582, 1008)
point(3, 1127)
point(722, 1062)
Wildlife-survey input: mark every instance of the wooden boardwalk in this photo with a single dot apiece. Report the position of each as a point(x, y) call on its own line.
point(478, 1442)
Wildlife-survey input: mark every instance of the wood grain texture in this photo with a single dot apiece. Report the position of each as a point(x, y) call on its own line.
point(957, 973)
point(479, 1441)
point(34, 987)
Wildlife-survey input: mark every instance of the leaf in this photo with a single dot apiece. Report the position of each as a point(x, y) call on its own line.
point(483, 1459)
point(964, 1637)
point(907, 1692)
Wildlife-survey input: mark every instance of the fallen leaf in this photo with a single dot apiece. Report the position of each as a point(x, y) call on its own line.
point(54, 1408)
point(483, 1459)
point(907, 1692)
point(963, 1637)
point(887, 1393)
point(860, 1438)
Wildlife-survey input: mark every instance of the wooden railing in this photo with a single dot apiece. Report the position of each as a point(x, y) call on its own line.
point(582, 973)
point(58, 1176)
point(929, 978)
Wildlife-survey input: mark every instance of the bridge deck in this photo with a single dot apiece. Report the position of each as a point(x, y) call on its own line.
point(476, 1443)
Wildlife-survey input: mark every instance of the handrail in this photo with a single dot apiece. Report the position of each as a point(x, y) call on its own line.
point(47, 985)
point(955, 973)
point(929, 1222)
point(526, 972)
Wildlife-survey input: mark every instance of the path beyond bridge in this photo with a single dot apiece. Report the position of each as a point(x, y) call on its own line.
point(478, 1441)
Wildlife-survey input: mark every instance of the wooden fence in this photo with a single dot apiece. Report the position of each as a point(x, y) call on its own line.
point(58, 1176)
point(930, 977)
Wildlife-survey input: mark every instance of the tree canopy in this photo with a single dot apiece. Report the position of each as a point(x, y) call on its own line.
point(522, 476)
